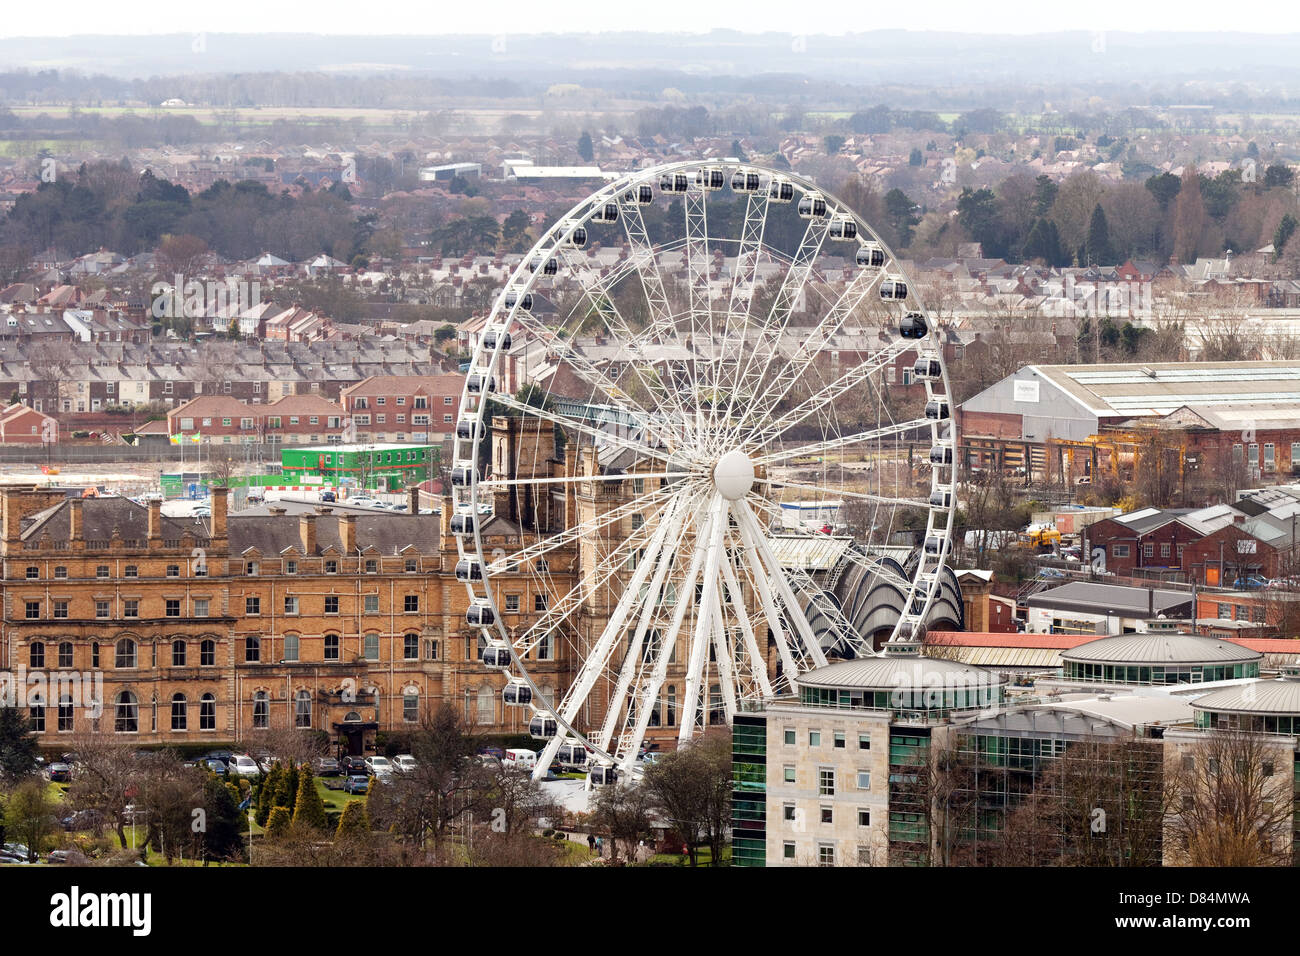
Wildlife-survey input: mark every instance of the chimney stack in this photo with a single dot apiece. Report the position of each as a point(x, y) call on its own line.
point(348, 533)
point(414, 502)
point(307, 534)
point(155, 524)
point(446, 519)
point(220, 504)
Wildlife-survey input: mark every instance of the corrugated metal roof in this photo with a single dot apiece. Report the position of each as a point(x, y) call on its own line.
point(1160, 649)
point(897, 672)
point(1037, 657)
point(1258, 697)
point(809, 552)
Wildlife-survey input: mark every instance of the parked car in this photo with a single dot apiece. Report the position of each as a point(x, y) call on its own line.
point(361, 501)
point(326, 767)
point(219, 767)
point(1250, 582)
point(243, 766)
point(18, 850)
point(355, 766)
point(222, 755)
point(356, 784)
point(520, 759)
point(399, 507)
point(652, 758)
point(83, 820)
point(328, 496)
point(377, 765)
point(404, 763)
point(59, 773)
point(59, 856)
point(202, 511)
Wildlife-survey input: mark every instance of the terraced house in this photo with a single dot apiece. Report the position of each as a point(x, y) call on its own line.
point(209, 629)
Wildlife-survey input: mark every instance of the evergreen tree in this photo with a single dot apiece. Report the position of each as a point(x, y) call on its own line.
point(585, 148)
point(1099, 251)
point(354, 819)
point(277, 825)
point(18, 751)
point(1282, 235)
point(1044, 242)
point(223, 838)
point(309, 809)
point(916, 157)
point(290, 787)
point(738, 151)
point(266, 796)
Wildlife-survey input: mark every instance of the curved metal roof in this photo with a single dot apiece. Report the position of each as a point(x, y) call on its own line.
point(1279, 696)
point(898, 672)
point(1160, 649)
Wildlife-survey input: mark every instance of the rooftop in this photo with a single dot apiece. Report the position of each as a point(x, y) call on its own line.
point(1160, 649)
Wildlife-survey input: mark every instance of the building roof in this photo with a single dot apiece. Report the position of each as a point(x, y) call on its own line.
point(1160, 649)
point(1281, 696)
point(897, 672)
point(1111, 599)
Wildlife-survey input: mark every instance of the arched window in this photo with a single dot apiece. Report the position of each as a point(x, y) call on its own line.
point(261, 710)
point(372, 647)
point(65, 655)
point(124, 655)
point(291, 647)
point(302, 709)
point(65, 714)
point(178, 653)
point(487, 705)
point(410, 705)
point(37, 658)
point(36, 711)
point(208, 653)
point(469, 706)
point(331, 647)
point(180, 712)
point(126, 714)
point(207, 712)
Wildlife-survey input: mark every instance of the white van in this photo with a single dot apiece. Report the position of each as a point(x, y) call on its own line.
point(520, 759)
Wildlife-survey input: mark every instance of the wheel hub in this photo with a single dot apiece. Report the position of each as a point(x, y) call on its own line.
point(733, 475)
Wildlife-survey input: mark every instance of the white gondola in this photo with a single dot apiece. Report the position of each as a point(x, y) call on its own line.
point(605, 212)
point(462, 476)
point(543, 727)
point(517, 693)
point(674, 182)
point(493, 338)
point(935, 544)
point(572, 754)
point(893, 289)
point(496, 655)
point(478, 382)
point(936, 409)
point(462, 523)
point(549, 267)
point(941, 455)
point(642, 195)
point(745, 181)
point(575, 235)
point(602, 775)
point(913, 326)
point(479, 614)
point(870, 256)
point(467, 569)
point(780, 190)
point(812, 206)
point(523, 300)
point(927, 370)
point(940, 498)
point(468, 429)
point(710, 178)
point(844, 227)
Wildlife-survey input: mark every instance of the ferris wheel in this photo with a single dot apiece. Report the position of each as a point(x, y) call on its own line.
point(682, 416)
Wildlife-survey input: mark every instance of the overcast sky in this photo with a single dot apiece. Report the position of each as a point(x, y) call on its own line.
point(806, 17)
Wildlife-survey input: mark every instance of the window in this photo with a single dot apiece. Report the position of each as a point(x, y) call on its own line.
point(36, 712)
point(261, 711)
point(33, 610)
point(539, 602)
point(291, 647)
point(826, 782)
point(864, 779)
point(787, 773)
point(370, 647)
point(101, 571)
point(512, 603)
point(65, 655)
point(825, 854)
point(787, 851)
point(789, 813)
point(124, 654)
point(130, 608)
point(331, 604)
point(411, 647)
point(61, 572)
point(94, 654)
point(178, 653)
point(371, 603)
point(1164, 549)
point(410, 707)
point(250, 568)
point(33, 572)
point(101, 609)
point(180, 710)
point(200, 607)
point(252, 649)
point(173, 570)
point(411, 566)
point(789, 737)
point(331, 647)
point(37, 652)
point(431, 648)
point(65, 714)
point(827, 815)
point(207, 712)
point(302, 709)
point(864, 741)
point(839, 740)
point(253, 605)
point(291, 566)
point(126, 715)
point(290, 605)
point(331, 566)
point(1119, 550)
point(814, 738)
point(1148, 550)
point(372, 566)
point(864, 817)
point(172, 607)
point(130, 571)
point(208, 653)
point(411, 603)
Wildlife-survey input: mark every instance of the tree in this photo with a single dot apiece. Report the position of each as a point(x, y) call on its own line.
point(1164, 188)
point(1279, 174)
point(832, 144)
point(738, 151)
point(692, 787)
point(29, 816)
point(222, 836)
point(278, 824)
point(1282, 235)
point(585, 148)
point(18, 750)
point(622, 811)
point(1189, 217)
point(1099, 251)
point(353, 821)
point(916, 157)
point(308, 809)
point(106, 773)
point(272, 784)
point(181, 255)
point(1044, 243)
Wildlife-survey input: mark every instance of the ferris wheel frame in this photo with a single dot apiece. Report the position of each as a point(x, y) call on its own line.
point(561, 243)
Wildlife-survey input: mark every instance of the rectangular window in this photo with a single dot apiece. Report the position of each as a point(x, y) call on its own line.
point(864, 779)
point(539, 602)
point(788, 774)
point(411, 647)
point(814, 738)
point(371, 603)
point(826, 781)
point(787, 851)
point(864, 741)
point(252, 605)
point(411, 603)
point(864, 817)
point(331, 647)
point(331, 604)
point(200, 607)
point(825, 855)
point(173, 607)
point(789, 737)
point(291, 605)
point(131, 608)
point(788, 812)
point(839, 740)
point(101, 609)
point(33, 611)
point(60, 609)
point(828, 814)
point(512, 603)
point(1119, 550)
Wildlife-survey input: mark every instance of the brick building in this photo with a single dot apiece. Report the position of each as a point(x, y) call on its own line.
point(420, 408)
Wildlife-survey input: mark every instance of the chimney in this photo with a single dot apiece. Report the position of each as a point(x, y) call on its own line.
point(155, 524)
point(446, 518)
point(220, 504)
point(75, 524)
point(413, 502)
point(307, 534)
point(348, 533)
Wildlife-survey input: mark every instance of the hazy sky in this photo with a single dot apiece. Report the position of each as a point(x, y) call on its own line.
point(72, 17)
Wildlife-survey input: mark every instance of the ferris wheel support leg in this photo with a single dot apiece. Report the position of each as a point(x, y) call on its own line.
point(704, 618)
point(812, 648)
point(756, 662)
point(769, 603)
point(726, 676)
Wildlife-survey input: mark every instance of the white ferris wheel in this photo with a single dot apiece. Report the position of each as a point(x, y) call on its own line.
point(688, 447)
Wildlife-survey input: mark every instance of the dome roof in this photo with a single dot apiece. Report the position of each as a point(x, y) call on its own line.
point(1281, 696)
point(898, 672)
point(1160, 649)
